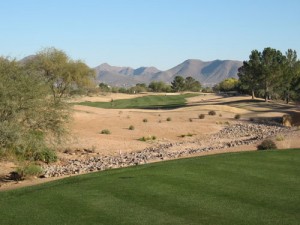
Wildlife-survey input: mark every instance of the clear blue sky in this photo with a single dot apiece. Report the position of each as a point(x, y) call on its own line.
point(160, 33)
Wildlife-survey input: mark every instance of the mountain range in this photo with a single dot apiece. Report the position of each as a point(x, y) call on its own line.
point(208, 73)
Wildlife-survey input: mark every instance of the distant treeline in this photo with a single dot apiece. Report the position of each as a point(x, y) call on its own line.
point(268, 74)
point(179, 84)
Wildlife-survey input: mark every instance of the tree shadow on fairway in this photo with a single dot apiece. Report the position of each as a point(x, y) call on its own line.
point(165, 107)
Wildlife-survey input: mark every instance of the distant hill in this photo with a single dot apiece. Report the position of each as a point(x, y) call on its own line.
point(208, 73)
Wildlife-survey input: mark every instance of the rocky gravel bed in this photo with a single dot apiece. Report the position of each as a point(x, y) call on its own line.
point(230, 136)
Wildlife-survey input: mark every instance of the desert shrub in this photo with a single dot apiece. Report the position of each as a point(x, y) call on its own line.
point(227, 123)
point(279, 138)
point(169, 119)
point(187, 135)
point(267, 144)
point(212, 113)
point(190, 119)
point(105, 131)
point(46, 155)
point(159, 121)
point(145, 120)
point(201, 116)
point(147, 138)
point(237, 116)
point(131, 127)
point(29, 170)
point(220, 115)
point(252, 119)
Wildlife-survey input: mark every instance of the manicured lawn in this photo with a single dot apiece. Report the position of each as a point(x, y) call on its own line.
point(145, 102)
point(241, 188)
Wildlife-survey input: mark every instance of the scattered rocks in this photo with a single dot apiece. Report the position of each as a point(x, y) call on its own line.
point(231, 136)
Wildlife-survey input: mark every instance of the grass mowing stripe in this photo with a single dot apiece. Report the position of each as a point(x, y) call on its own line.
point(237, 188)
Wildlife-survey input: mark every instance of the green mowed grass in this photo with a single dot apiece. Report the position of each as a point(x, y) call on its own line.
point(238, 188)
point(145, 102)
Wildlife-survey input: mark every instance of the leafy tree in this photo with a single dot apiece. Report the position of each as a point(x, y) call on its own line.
point(192, 85)
point(269, 73)
point(60, 72)
point(158, 86)
point(271, 70)
point(140, 87)
point(178, 84)
point(104, 87)
point(229, 84)
point(290, 73)
point(250, 73)
point(28, 117)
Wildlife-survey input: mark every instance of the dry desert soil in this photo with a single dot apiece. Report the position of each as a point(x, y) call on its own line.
point(87, 123)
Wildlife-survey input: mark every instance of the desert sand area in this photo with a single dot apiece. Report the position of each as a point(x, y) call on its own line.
point(184, 130)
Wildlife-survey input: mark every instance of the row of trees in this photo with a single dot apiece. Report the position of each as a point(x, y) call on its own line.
point(271, 74)
point(177, 85)
point(32, 109)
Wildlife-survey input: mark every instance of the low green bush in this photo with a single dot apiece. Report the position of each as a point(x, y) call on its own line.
point(29, 170)
point(131, 127)
point(169, 119)
point(267, 144)
point(148, 138)
point(46, 155)
point(279, 138)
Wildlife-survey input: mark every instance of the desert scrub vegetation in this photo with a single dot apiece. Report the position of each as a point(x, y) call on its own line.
point(187, 135)
point(45, 155)
point(147, 138)
point(279, 137)
point(105, 131)
point(212, 113)
point(191, 119)
point(237, 116)
point(145, 120)
point(131, 127)
point(33, 112)
point(169, 119)
point(266, 145)
point(28, 170)
point(201, 116)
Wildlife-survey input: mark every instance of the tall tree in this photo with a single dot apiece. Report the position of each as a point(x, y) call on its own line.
point(27, 115)
point(60, 72)
point(250, 73)
point(192, 85)
point(271, 65)
point(178, 84)
point(290, 72)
